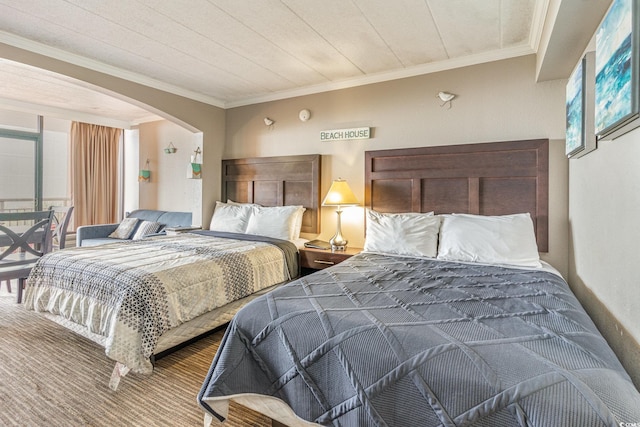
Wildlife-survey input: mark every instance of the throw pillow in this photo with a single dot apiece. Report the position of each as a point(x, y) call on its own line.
point(145, 228)
point(125, 228)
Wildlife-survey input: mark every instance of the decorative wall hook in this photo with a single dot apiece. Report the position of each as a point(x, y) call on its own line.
point(170, 149)
point(197, 156)
point(446, 98)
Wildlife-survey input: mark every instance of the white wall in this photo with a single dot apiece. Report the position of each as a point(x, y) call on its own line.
point(604, 207)
point(131, 146)
point(496, 102)
point(169, 189)
point(604, 213)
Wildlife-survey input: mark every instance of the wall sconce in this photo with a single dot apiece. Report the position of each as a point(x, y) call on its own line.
point(446, 98)
point(170, 149)
point(268, 121)
point(194, 170)
point(339, 195)
point(145, 174)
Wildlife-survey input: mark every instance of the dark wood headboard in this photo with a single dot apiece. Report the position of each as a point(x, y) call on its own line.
point(497, 178)
point(276, 181)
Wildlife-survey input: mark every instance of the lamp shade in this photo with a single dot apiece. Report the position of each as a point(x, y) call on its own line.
point(340, 195)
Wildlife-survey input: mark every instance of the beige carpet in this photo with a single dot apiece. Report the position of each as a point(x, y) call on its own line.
point(50, 376)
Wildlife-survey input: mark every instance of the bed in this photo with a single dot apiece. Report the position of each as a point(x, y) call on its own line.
point(456, 321)
point(141, 298)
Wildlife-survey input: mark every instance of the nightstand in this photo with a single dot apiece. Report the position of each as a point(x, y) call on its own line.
point(317, 259)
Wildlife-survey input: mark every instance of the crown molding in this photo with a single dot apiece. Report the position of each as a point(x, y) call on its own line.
point(418, 70)
point(537, 24)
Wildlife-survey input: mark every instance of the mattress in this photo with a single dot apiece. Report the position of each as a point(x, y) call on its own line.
point(127, 295)
point(397, 341)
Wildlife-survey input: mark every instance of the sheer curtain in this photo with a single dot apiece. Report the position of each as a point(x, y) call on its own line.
point(95, 173)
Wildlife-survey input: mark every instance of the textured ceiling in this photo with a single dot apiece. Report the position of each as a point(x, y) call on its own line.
point(29, 89)
point(238, 52)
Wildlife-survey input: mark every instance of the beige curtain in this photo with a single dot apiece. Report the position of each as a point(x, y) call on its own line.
point(94, 173)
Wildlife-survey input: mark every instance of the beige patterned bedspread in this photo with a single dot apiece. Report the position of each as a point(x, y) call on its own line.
point(131, 292)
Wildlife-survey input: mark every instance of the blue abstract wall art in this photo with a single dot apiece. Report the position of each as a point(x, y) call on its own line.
point(575, 111)
point(615, 88)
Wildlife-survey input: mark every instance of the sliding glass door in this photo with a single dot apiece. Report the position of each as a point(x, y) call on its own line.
point(20, 171)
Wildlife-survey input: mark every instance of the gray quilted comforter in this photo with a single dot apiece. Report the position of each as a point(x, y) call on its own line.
point(380, 340)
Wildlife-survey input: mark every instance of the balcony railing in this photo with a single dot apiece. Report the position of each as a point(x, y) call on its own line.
point(26, 205)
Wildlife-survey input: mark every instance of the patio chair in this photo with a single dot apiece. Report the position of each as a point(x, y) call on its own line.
point(61, 219)
point(21, 246)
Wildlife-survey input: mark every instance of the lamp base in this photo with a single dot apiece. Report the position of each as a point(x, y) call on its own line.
point(338, 243)
point(335, 248)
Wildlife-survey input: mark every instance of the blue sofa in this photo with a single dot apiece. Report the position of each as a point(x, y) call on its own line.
point(93, 235)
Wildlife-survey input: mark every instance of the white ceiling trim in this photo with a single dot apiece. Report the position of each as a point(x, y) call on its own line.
point(392, 75)
point(537, 24)
point(61, 113)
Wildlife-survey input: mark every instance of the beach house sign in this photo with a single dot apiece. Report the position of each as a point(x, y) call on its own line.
point(344, 134)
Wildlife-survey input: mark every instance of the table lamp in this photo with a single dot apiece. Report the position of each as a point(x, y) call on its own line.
point(339, 195)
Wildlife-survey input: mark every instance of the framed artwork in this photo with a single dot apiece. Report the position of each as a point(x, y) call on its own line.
point(580, 133)
point(616, 87)
point(575, 111)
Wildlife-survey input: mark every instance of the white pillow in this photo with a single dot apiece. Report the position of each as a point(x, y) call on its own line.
point(298, 223)
point(412, 234)
point(273, 221)
point(230, 218)
point(145, 228)
point(507, 239)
